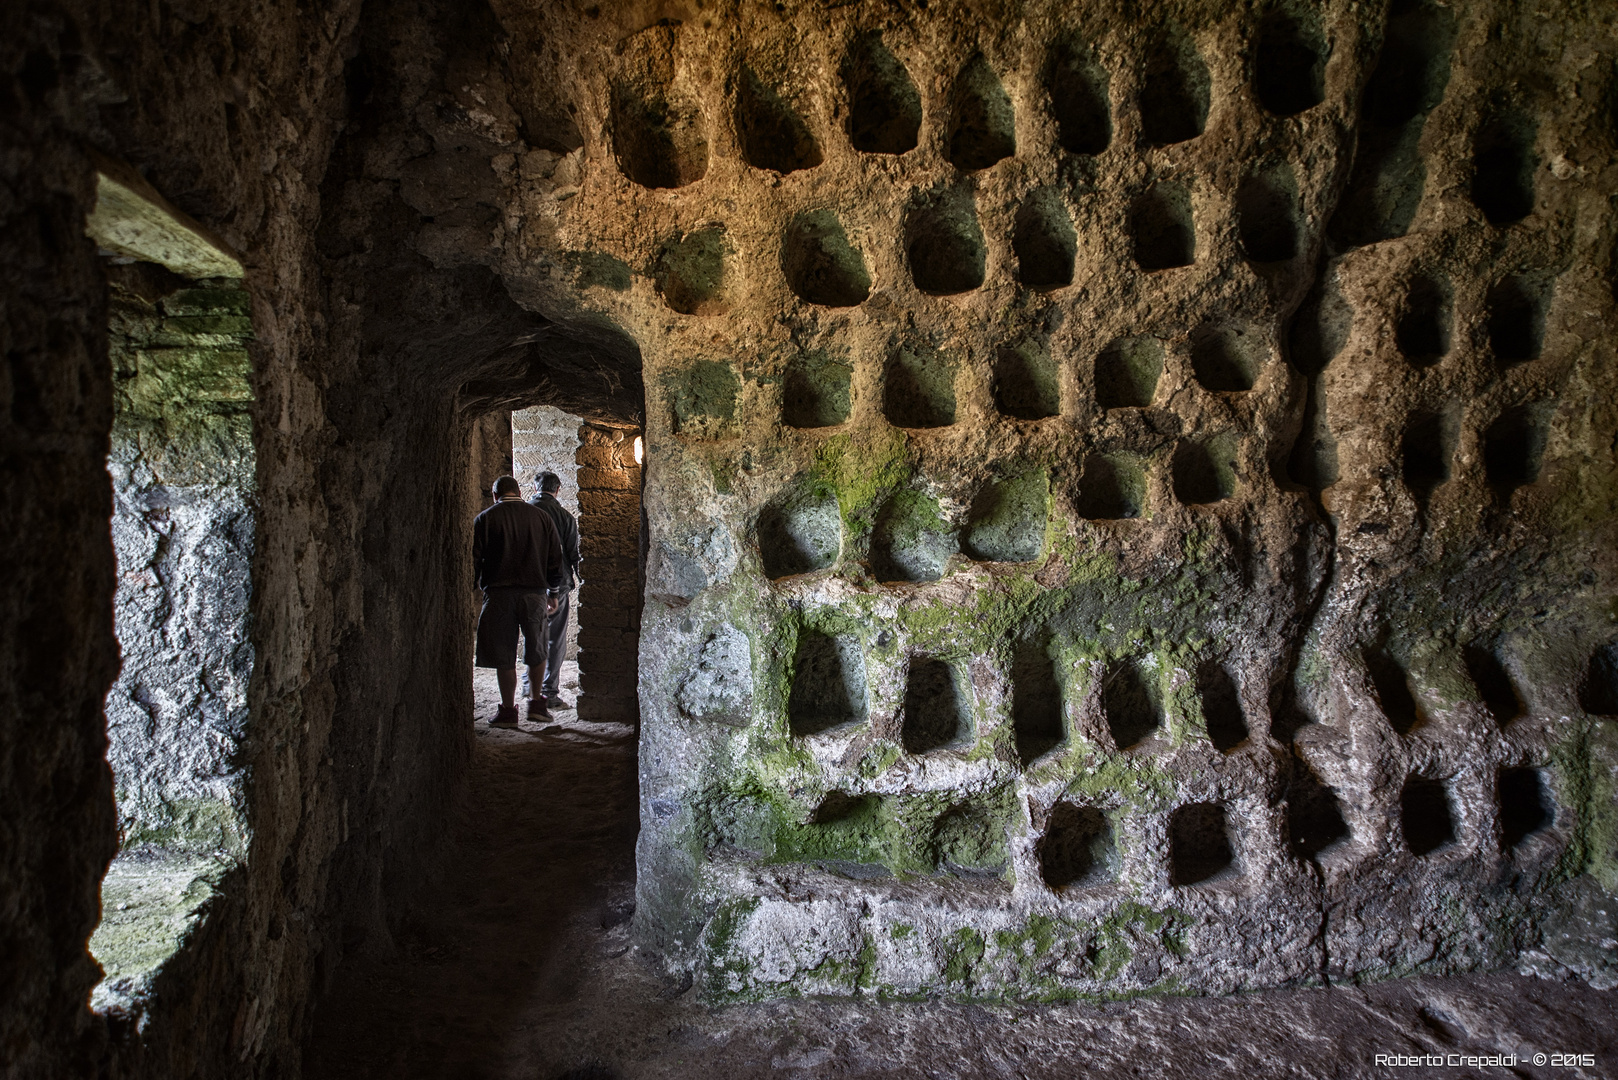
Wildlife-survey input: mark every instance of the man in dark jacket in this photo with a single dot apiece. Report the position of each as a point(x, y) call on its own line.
point(556, 651)
point(517, 562)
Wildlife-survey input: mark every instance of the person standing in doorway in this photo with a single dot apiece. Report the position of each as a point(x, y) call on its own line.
point(550, 486)
point(517, 562)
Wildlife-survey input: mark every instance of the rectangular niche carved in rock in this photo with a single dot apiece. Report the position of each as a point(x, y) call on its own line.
point(1392, 686)
point(817, 391)
point(1598, 689)
point(1221, 706)
point(1006, 522)
point(1025, 385)
point(970, 840)
point(1036, 699)
point(1494, 686)
point(1129, 697)
point(1111, 488)
point(935, 713)
point(1314, 816)
point(911, 541)
point(919, 391)
point(828, 683)
point(1525, 805)
point(799, 534)
point(1078, 848)
point(1426, 817)
point(1199, 844)
point(1514, 449)
point(1126, 372)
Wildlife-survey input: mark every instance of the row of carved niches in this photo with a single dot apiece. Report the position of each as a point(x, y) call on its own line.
point(829, 689)
point(661, 134)
point(1077, 848)
point(1078, 845)
point(1403, 700)
point(919, 381)
point(911, 539)
point(947, 253)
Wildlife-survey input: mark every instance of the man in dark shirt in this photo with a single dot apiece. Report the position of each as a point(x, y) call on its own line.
point(550, 485)
point(517, 562)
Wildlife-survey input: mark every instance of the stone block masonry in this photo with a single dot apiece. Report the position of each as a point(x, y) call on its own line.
point(609, 483)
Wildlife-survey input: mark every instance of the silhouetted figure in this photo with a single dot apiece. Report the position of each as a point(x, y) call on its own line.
point(517, 562)
point(550, 486)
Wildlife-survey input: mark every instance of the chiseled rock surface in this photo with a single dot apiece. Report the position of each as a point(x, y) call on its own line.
point(1213, 405)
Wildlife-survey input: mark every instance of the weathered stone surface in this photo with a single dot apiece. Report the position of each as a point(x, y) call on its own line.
point(446, 211)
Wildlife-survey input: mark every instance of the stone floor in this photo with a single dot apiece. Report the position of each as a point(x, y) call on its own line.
point(525, 970)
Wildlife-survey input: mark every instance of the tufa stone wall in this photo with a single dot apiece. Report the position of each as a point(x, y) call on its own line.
point(1102, 466)
point(610, 596)
point(183, 470)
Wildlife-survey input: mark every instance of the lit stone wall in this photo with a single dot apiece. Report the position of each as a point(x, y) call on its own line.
point(182, 463)
point(1129, 499)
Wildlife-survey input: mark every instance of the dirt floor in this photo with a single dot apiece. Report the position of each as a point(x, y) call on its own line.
point(525, 971)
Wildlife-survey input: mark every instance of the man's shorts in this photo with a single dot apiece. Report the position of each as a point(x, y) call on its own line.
point(506, 613)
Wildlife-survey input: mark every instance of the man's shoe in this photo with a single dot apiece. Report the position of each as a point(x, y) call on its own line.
point(557, 701)
point(537, 710)
point(505, 718)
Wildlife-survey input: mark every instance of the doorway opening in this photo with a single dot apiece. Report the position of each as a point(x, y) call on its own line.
point(599, 466)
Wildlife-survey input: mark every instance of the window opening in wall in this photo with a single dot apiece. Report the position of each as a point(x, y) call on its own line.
point(182, 462)
point(596, 630)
